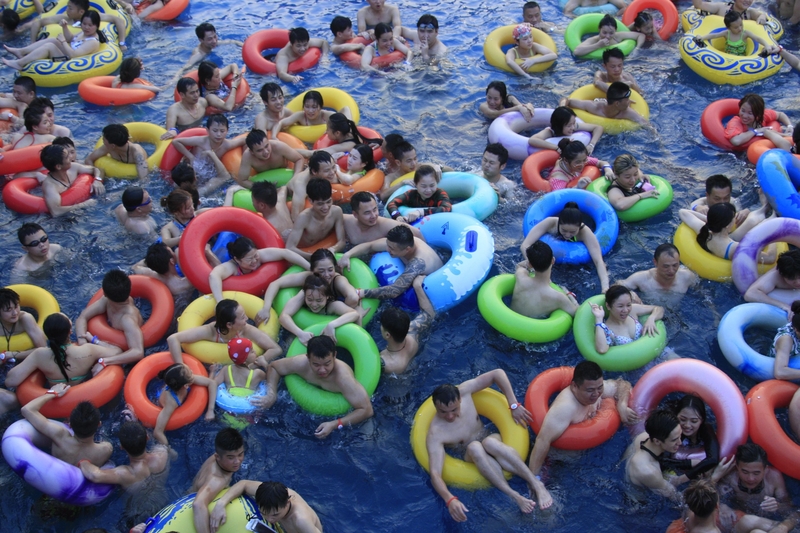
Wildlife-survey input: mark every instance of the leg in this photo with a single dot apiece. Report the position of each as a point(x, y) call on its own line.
point(8, 401)
point(794, 413)
point(43, 52)
point(510, 460)
point(491, 470)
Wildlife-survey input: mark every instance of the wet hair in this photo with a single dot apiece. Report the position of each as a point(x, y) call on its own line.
point(382, 28)
point(271, 496)
point(33, 117)
point(701, 497)
point(607, 20)
point(56, 328)
point(666, 248)
point(158, 258)
point(132, 198)
point(321, 254)
point(367, 157)
point(396, 322)
point(42, 103)
point(94, 16)
point(224, 314)
point(130, 69)
point(755, 101)
point(795, 309)
point(266, 192)
point(401, 236)
point(559, 119)
point(9, 19)
point(52, 156)
point(391, 140)
point(299, 35)
point(318, 189)
point(318, 157)
point(614, 293)
point(642, 18)
point(133, 438)
point(623, 163)
point(184, 84)
point(255, 137)
point(731, 17)
point(64, 141)
point(571, 215)
point(446, 394)
point(175, 200)
point(705, 432)
point(719, 216)
point(8, 298)
point(499, 150)
point(228, 440)
point(174, 376)
point(540, 256)
point(26, 82)
point(423, 171)
point(205, 71)
point(183, 174)
point(789, 264)
point(571, 150)
point(84, 420)
point(83, 5)
point(610, 53)
point(203, 28)
point(116, 134)
point(402, 148)
point(216, 119)
point(501, 88)
point(750, 453)
point(314, 96)
point(316, 283)
point(26, 230)
point(718, 181)
point(361, 197)
point(341, 124)
point(796, 137)
point(586, 371)
point(340, 24)
point(116, 286)
point(240, 247)
point(617, 92)
point(321, 347)
point(660, 424)
point(530, 5)
point(427, 18)
point(268, 89)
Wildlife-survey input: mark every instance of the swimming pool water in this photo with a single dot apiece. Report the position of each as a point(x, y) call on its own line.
point(367, 479)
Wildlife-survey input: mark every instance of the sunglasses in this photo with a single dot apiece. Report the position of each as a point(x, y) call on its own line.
point(36, 243)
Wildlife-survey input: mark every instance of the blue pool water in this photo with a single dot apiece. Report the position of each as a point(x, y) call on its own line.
point(367, 479)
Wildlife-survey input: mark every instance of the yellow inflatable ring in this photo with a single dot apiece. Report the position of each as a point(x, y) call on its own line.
point(104, 7)
point(36, 298)
point(503, 36)
point(458, 473)
point(333, 98)
point(717, 66)
point(140, 132)
point(612, 126)
point(202, 309)
point(692, 18)
point(705, 264)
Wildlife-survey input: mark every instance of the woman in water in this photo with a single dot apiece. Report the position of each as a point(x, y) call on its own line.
point(607, 36)
point(384, 44)
point(313, 114)
point(699, 449)
point(786, 345)
point(499, 102)
point(178, 379)
point(643, 23)
point(317, 297)
point(213, 89)
point(713, 232)
point(574, 158)
point(629, 184)
point(750, 123)
point(622, 325)
point(564, 123)
point(128, 78)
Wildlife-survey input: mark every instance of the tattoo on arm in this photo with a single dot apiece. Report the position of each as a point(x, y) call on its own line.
point(421, 323)
point(414, 268)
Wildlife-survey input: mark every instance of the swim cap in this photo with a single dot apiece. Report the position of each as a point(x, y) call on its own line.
point(521, 31)
point(239, 349)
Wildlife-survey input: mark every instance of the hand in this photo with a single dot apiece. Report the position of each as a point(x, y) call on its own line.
point(401, 218)
point(769, 504)
point(337, 155)
point(325, 429)
point(297, 79)
point(583, 182)
point(86, 337)
point(60, 389)
point(458, 511)
point(217, 518)
point(521, 415)
point(262, 402)
point(604, 42)
point(344, 262)
point(789, 314)
point(723, 468)
point(209, 416)
point(63, 23)
point(169, 135)
point(526, 112)
point(528, 63)
point(304, 337)
point(652, 193)
point(262, 315)
point(330, 331)
point(762, 19)
point(626, 414)
point(412, 216)
point(598, 313)
point(699, 42)
point(98, 188)
point(649, 328)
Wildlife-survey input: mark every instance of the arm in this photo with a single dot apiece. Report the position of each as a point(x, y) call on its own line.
point(50, 429)
point(759, 292)
point(414, 268)
point(693, 219)
point(163, 418)
point(283, 124)
point(140, 160)
point(357, 397)
point(120, 475)
point(185, 144)
point(590, 45)
point(97, 154)
point(263, 341)
point(218, 515)
point(172, 120)
point(347, 315)
point(97, 308)
point(783, 349)
point(544, 55)
point(52, 199)
point(217, 276)
point(536, 233)
point(292, 280)
point(211, 385)
point(620, 390)
point(135, 340)
point(188, 336)
point(288, 323)
point(297, 232)
point(361, 250)
point(622, 202)
point(599, 83)
point(436, 456)
point(555, 424)
point(656, 313)
point(202, 522)
point(282, 67)
point(511, 61)
point(222, 174)
point(597, 256)
point(600, 340)
point(650, 476)
point(341, 236)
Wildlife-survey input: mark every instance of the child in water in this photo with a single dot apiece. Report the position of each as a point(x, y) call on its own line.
point(242, 370)
point(574, 158)
point(644, 24)
point(178, 379)
point(316, 296)
point(735, 35)
point(427, 198)
point(385, 43)
point(527, 50)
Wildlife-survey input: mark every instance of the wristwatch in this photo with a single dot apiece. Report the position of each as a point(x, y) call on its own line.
point(513, 406)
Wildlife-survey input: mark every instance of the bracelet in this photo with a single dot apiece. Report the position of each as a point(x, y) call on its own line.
point(590, 144)
point(83, 460)
point(570, 293)
point(395, 214)
point(51, 391)
point(173, 129)
point(339, 421)
point(98, 178)
point(599, 324)
point(95, 339)
point(606, 166)
point(122, 43)
point(102, 363)
point(450, 501)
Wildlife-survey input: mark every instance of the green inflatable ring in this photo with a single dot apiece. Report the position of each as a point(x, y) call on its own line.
point(367, 370)
point(278, 176)
point(589, 23)
point(617, 358)
point(515, 325)
point(643, 209)
point(360, 276)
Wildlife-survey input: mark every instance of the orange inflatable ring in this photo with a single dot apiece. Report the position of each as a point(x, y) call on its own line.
point(766, 431)
point(233, 158)
point(17, 195)
point(760, 146)
point(714, 130)
point(353, 59)
point(172, 156)
point(327, 242)
point(146, 411)
point(367, 133)
point(22, 160)
point(195, 266)
point(665, 7)
point(5, 125)
point(537, 162)
point(272, 39)
point(99, 390)
point(581, 436)
point(154, 328)
point(98, 91)
point(170, 11)
point(371, 182)
point(241, 92)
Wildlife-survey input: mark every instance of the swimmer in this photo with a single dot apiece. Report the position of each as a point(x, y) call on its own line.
point(160, 263)
point(426, 37)
point(274, 109)
point(785, 275)
point(713, 232)
point(786, 345)
point(426, 198)
point(212, 87)
point(405, 156)
point(751, 122)
point(702, 501)
point(622, 325)
point(666, 275)
point(178, 379)
point(574, 158)
point(55, 158)
point(697, 436)
point(360, 160)
point(569, 226)
point(128, 77)
point(613, 60)
point(10, 21)
point(607, 33)
point(366, 224)
point(499, 102)
point(180, 205)
point(320, 367)
point(134, 211)
point(384, 44)
point(617, 104)
point(11, 316)
point(643, 23)
point(735, 35)
point(264, 154)
point(39, 250)
point(245, 259)
point(494, 160)
point(533, 296)
point(118, 146)
point(564, 123)
point(73, 15)
point(298, 45)
point(22, 94)
point(344, 135)
point(389, 142)
point(457, 423)
point(241, 352)
point(342, 30)
point(531, 52)
point(184, 177)
point(532, 14)
point(121, 313)
point(629, 184)
point(718, 191)
point(46, 105)
point(402, 338)
point(316, 222)
point(312, 114)
point(570, 6)
point(187, 113)
point(209, 40)
point(742, 7)
point(320, 165)
point(753, 485)
point(201, 150)
point(269, 202)
point(39, 129)
point(378, 11)
point(578, 403)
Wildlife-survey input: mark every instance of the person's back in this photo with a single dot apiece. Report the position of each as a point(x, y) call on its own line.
point(533, 296)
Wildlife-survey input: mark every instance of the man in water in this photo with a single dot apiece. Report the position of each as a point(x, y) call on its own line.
point(38, 248)
point(753, 485)
point(160, 263)
point(215, 474)
point(315, 223)
point(269, 201)
point(718, 191)
point(209, 40)
point(264, 154)
point(617, 104)
point(532, 14)
point(785, 276)
point(457, 423)
point(366, 224)
point(189, 112)
point(533, 296)
point(494, 160)
point(402, 338)
point(426, 37)
point(667, 275)
point(14, 321)
point(56, 159)
point(373, 14)
point(134, 211)
point(613, 60)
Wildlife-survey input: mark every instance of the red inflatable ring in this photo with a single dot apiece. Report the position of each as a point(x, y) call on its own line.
point(696, 377)
point(367, 133)
point(272, 39)
point(665, 7)
point(241, 92)
point(154, 328)
point(17, 196)
point(766, 431)
point(760, 146)
point(353, 59)
point(537, 162)
point(5, 125)
point(169, 12)
point(146, 411)
point(714, 130)
point(22, 160)
point(581, 436)
point(99, 390)
point(205, 225)
point(98, 91)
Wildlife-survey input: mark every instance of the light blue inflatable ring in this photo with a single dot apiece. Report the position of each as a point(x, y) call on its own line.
point(481, 200)
point(238, 405)
point(611, 9)
point(779, 175)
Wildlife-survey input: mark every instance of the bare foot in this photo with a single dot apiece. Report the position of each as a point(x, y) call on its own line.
point(525, 505)
point(13, 51)
point(542, 496)
point(12, 64)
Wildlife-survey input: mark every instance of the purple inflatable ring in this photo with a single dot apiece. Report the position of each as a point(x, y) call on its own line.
point(744, 265)
point(505, 130)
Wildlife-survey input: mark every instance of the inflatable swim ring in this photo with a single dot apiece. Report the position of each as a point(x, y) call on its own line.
point(140, 132)
point(611, 126)
point(503, 36)
point(668, 11)
point(506, 129)
point(179, 516)
point(644, 208)
point(241, 92)
point(367, 133)
point(744, 267)
point(713, 129)
point(170, 11)
point(535, 164)
point(44, 303)
point(766, 431)
point(17, 195)
point(480, 199)
point(98, 91)
point(239, 405)
point(692, 18)
point(757, 149)
point(22, 159)
point(334, 99)
point(272, 39)
point(590, 24)
point(779, 175)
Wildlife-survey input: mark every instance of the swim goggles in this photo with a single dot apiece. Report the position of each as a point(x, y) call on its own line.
point(142, 204)
point(36, 242)
point(426, 26)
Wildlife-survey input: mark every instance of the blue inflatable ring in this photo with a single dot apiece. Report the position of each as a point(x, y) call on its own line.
point(779, 175)
point(238, 405)
point(479, 202)
point(602, 212)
